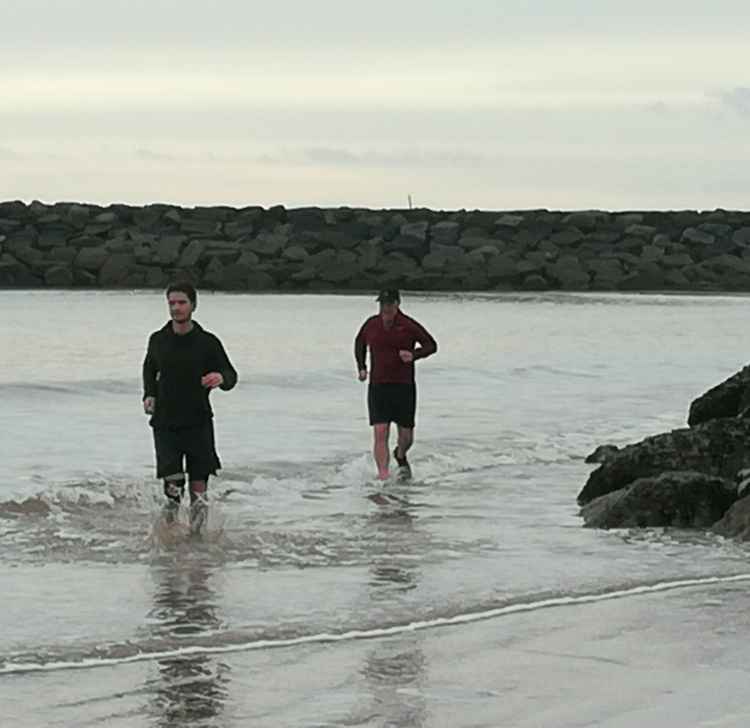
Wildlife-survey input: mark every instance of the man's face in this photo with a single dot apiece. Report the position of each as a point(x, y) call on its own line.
point(180, 308)
point(388, 311)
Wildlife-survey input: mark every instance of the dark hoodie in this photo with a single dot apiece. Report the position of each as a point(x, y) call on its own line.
point(172, 372)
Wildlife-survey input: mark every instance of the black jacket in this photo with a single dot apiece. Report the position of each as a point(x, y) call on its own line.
point(172, 372)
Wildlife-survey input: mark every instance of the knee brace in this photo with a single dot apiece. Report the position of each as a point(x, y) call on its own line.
point(174, 487)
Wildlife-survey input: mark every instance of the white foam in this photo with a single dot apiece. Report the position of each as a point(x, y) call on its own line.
point(376, 632)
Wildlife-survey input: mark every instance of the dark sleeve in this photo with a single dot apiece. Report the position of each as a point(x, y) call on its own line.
point(224, 366)
point(360, 348)
point(150, 370)
point(427, 345)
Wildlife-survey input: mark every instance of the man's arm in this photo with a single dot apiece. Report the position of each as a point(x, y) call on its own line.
point(225, 368)
point(150, 370)
point(427, 345)
point(360, 349)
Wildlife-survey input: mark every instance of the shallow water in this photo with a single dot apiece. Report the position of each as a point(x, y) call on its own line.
point(297, 557)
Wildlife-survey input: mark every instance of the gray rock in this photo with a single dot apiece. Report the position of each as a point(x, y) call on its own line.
point(415, 230)
point(434, 262)
point(643, 280)
point(472, 242)
point(676, 280)
point(445, 232)
point(568, 274)
point(502, 268)
point(59, 276)
point(85, 241)
point(195, 226)
point(447, 251)
point(28, 255)
point(652, 252)
point(269, 243)
point(168, 249)
point(295, 252)
point(370, 253)
point(248, 258)
point(260, 281)
point(742, 236)
point(105, 218)
point(213, 275)
point(718, 230)
point(735, 523)
point(535, 282)
point(717, 447)
point(567, 238)
point(78, 215)
point(115, 269)
point(728, 264)
point(693, 235)
point(626, 219)
point(509, 221)
point(632, 245)
point(63, 255)
point(641, 231)
point(682, 499)
point(154, 277)
point(191, 254)
point(602, 453)
point(676, 261)
point(586, 219)
point(91, 259)
point(173, 215)
point(729, 398)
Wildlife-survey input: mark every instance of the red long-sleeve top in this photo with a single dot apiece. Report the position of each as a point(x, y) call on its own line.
point(385, 344)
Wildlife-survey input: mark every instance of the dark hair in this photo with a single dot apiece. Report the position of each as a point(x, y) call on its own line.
point(184, 287)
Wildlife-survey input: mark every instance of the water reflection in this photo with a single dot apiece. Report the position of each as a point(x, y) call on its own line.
point(192, 689)
point(394, 669)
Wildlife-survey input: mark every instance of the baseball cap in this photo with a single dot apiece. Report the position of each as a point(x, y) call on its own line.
point(389, 295)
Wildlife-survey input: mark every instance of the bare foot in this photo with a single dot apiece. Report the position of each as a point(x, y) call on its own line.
point(384, 475)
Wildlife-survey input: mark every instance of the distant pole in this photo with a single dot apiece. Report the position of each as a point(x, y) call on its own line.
point(410, 202)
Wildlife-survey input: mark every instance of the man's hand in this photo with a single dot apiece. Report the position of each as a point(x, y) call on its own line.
point(149, 405)
point(362, 375)
point(406, 356)
point(212, 380)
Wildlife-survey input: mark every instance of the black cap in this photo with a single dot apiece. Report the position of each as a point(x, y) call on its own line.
point(389, 295)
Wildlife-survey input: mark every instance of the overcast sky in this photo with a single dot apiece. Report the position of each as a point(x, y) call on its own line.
point(480, 104)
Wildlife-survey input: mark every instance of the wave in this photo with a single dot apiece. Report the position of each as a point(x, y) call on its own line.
point(76, 388)
point(214, 643)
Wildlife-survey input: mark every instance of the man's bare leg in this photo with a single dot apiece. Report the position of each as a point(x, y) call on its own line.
point(380, 449)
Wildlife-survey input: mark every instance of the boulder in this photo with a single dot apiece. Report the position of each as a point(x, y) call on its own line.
point(717, 447)
point(681, 499)
point(727, 399)
point(59, 276)
point(602, 453)
point(694, 235)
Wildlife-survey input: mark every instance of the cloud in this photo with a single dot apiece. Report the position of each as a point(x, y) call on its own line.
point(331, 156)
point(150, 155)
point(8, 153)
point(737, 99)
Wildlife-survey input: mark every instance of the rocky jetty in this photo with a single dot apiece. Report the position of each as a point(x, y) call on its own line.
point(265, 249)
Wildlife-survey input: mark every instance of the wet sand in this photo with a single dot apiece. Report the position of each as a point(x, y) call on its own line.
point(674, 658)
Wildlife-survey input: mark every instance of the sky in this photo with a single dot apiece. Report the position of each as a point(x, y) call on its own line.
point(489, 104)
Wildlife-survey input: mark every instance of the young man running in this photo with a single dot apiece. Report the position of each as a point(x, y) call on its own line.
point(392, 337)
point(183, 364)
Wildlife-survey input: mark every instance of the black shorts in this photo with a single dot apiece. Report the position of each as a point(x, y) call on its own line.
point(186, 449)
point(392, 403)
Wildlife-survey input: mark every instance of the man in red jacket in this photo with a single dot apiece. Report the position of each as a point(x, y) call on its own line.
point(392, 337)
